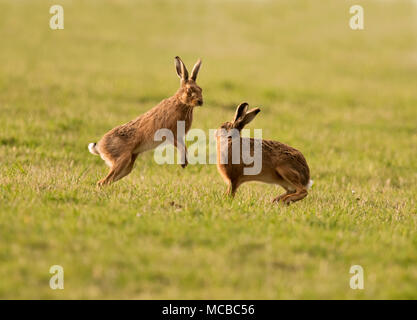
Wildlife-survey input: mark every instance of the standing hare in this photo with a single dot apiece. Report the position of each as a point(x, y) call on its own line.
point(120, 146)
point(281, 164)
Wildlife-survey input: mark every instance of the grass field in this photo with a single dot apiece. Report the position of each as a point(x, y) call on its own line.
point(347, 99)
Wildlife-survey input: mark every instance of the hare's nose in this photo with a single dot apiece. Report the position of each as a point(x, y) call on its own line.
point(200, 102)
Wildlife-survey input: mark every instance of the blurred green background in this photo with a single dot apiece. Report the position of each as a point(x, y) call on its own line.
point(347, 99)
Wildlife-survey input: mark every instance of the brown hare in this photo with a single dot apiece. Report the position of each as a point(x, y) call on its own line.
point(120, 146)
point(281, 164)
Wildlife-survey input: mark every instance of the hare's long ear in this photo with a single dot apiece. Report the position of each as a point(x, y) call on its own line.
point(181, 69)
point(246, 118)
point(240, 111)
point(249, 116)
point(196, 68)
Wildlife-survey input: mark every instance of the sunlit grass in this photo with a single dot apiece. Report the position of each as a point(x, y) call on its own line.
point(347, 99)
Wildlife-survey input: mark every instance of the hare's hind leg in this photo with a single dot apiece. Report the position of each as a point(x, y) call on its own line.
point(117, 169)
point(288, 187)
point(127, 169)
point(107, 179)
point(296, 191)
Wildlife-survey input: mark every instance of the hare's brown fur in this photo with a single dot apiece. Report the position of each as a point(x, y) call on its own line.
point(120, 146)
point(281, 164)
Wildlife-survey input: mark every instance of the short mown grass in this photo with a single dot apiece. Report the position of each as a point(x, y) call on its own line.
point(347, 99)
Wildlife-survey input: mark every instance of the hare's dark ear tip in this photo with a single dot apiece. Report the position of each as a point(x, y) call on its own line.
point(177, 58)
point(257, 110)
point(244, 104)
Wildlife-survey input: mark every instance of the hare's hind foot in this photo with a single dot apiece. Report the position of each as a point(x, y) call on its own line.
point(106, 180)
point(296, 191)
point(278, 199)
point(288, 190)
point(101, 183)
point(293, 197)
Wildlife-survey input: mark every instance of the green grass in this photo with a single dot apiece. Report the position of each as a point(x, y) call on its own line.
point(347, 99)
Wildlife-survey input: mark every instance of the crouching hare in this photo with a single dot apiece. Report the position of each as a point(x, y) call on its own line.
point(281, 164)
point(120, 146)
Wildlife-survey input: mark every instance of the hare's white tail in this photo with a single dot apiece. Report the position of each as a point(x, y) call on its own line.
point(92, 148)
point(309, 184)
